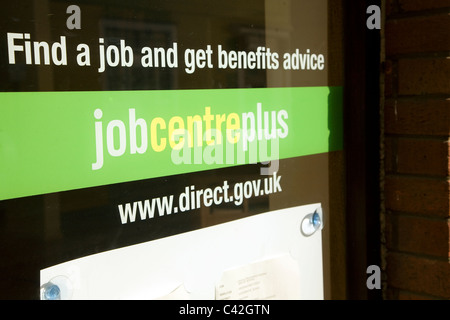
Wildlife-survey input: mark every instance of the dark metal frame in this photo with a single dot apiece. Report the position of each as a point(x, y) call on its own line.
point(361, 145)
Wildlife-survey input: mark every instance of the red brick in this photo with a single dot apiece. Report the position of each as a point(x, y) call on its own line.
point(395, 294)
point(418, 125)
point(389, 89)
point(418, 117)
point(417, 156)
point(419, 5)
point(390, 7)
point(390, 155)
point(418, 274)
point(417, 235)
point(404, 295)
point(422, 156)
point(423, 76)
point(427, 31)
point(428, 197)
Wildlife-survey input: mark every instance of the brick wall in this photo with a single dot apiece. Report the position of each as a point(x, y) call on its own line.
point(416, 150)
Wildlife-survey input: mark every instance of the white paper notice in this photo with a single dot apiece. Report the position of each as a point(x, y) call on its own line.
point(264, 256)
point(179, 293)
point(273, 279)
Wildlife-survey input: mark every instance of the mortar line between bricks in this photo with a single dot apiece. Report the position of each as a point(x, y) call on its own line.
point(419, 55)
point(422, 97)
point(417, 14)
point(428, 137)
point(418, 176)
point(398, 213)
point(419, 255)
point(418, 293)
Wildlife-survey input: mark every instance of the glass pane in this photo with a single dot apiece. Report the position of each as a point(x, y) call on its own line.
point(110, 108)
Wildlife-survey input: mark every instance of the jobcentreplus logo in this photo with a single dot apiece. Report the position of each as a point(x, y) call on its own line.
point(208, 138)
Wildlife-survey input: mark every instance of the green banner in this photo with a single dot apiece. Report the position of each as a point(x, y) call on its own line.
point(57, 141)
